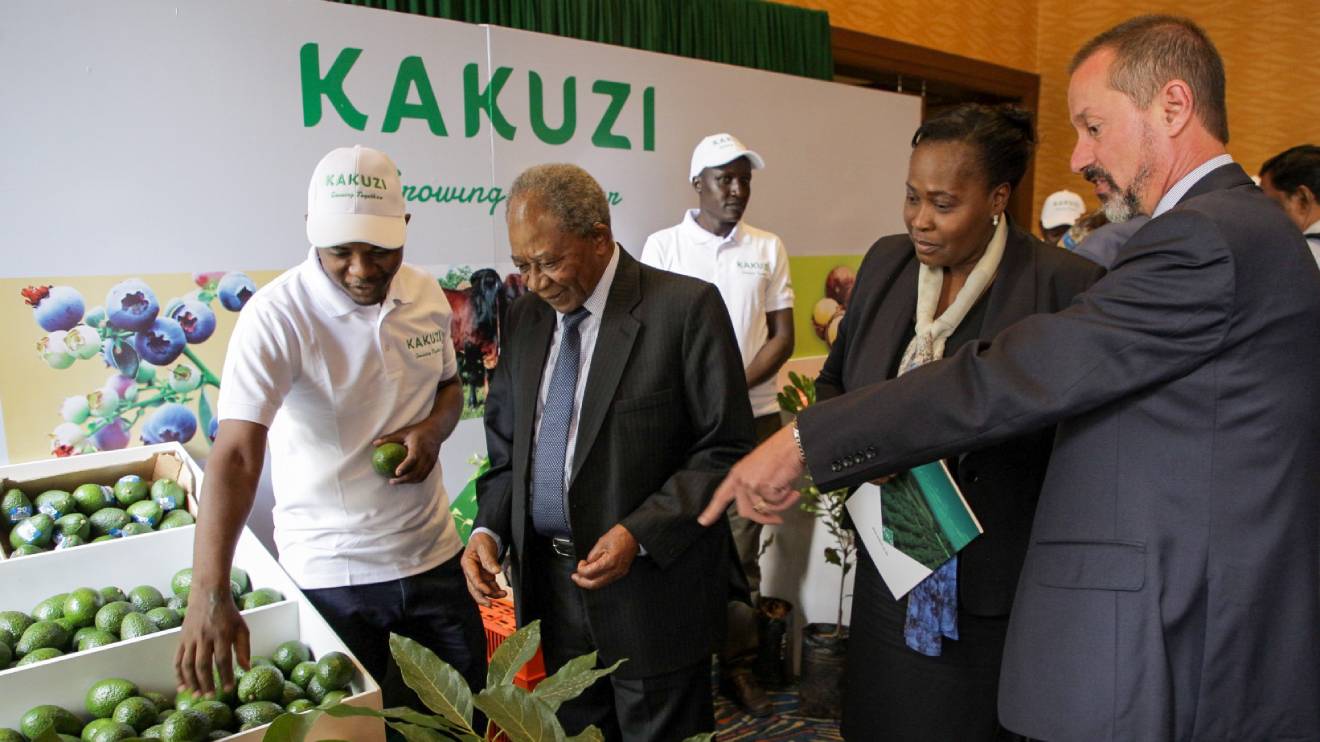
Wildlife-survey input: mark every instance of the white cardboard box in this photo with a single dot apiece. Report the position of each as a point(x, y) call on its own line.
point(149, 462)
point(152, 559)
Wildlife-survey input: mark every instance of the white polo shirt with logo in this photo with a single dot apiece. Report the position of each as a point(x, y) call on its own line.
point(749, 267)
point(328, 377)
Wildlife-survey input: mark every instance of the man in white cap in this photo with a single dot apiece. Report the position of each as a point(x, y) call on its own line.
point(750, 268)
point(340, 354)
point(1061, 210)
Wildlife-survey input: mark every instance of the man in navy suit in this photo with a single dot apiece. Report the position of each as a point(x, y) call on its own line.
point(1170, 587)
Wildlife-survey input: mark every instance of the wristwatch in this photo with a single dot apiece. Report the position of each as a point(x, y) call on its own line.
point(797, 438)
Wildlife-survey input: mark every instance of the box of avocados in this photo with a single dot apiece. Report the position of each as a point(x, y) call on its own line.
point(286, 634)
point(61, 503)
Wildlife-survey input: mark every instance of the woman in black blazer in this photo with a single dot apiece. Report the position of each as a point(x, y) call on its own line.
point(963, 168)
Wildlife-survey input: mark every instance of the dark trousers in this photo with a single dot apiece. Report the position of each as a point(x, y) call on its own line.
point(433, 608)
point(659, 708)
point(740, 639)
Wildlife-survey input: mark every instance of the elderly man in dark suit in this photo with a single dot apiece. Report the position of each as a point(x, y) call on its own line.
point(618, 405)
point(1170, 587)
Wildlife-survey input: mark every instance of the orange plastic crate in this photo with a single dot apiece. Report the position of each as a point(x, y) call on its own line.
point(500, 624)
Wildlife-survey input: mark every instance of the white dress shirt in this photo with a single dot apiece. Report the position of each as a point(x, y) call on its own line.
point(588, 331)
point(1313, 240)
point(1185, 183)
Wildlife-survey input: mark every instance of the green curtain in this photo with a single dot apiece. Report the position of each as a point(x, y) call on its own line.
point(748, 33)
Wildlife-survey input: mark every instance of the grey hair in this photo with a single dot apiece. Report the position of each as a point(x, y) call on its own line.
point(1151, 50)
point(566, 191)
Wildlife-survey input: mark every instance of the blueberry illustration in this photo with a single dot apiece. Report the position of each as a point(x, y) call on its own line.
point(54, 307)
point(184, 378)
point(171, 422)
point(103, 402)
point(234, 290)
point(113, 436)
point(196, 318)
point(160, 343)
point(82, 341)
point(131, 305)
point(67, 434)
point(53, 350)
point(124, 386)
point(207, 280)
point(95, 316)
point(146, 373)
point(210, 429)
point(75, 409)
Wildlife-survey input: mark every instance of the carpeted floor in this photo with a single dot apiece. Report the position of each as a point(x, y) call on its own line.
point(785, 725)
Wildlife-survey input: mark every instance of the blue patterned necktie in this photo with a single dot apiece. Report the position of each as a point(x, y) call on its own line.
point(549, 506)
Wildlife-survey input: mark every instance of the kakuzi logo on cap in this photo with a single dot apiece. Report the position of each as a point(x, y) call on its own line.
point(355, 179)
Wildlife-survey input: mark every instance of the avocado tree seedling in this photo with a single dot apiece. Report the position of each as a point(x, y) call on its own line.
point(521, 715)
point(828, 507)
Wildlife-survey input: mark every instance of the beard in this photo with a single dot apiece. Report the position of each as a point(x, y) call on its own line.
point(1121, 204)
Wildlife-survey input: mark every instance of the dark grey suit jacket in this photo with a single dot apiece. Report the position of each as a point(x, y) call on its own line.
point(664, 416)
point(1001, 482)
point(1171, 587)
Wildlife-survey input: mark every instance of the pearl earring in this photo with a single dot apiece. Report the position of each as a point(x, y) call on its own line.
point(995, 220)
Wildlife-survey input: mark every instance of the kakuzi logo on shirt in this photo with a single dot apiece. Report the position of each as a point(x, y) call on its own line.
point(426, 345)
point(757, 267)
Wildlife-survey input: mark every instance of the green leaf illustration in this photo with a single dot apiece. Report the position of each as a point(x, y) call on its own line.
point(512, 654)
point(575, 676)
point(439, 686)
point(203, 411)
point(521, 717)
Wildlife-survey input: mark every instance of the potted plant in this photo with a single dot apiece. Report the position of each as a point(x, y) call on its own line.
point(514, 714)
point(824, 645)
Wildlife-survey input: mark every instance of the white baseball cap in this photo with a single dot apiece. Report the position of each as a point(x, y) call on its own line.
point(1062, 208)
point(355, 196)
point(721, 149)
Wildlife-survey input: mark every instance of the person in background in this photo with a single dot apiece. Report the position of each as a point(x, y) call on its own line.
point(1097, 239)
point(346, 351)
point(1292, 178)
point(1058, 214)
point(750, 268)
point(962, 271)
point(594, 489)
point(1169, 588)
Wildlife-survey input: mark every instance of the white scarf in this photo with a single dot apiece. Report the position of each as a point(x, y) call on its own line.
point(928, 344)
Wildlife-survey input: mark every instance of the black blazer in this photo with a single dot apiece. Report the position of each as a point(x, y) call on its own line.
point(664, 415)
point(1001, 482)
point(1170, 588)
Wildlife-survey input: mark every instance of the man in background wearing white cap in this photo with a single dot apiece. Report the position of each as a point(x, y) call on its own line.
point(750, 268)
point(346, 351)
point(1061, 210)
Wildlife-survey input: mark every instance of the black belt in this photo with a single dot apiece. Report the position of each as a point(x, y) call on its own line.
point(563, 547)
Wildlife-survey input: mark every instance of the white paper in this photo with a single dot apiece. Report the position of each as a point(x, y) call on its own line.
point(900, 571)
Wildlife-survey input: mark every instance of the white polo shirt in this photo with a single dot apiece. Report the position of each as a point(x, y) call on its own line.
point(749, 267)
point(327, 377)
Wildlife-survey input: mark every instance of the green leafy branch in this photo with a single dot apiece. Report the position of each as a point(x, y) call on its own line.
point(828, 507)
point(522, 716)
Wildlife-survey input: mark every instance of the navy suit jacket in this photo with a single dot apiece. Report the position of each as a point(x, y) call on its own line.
point(1171, 590)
